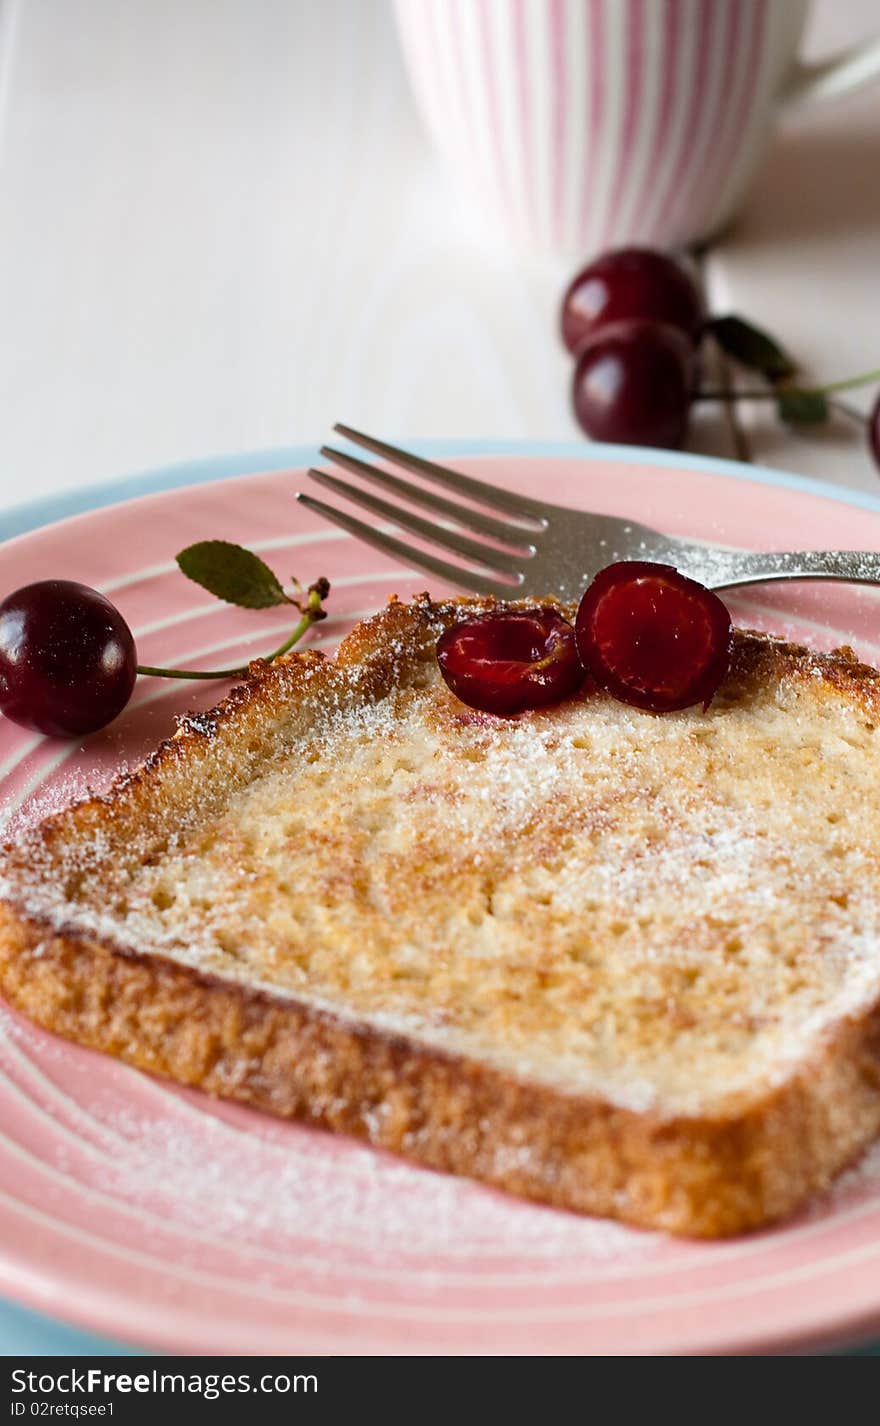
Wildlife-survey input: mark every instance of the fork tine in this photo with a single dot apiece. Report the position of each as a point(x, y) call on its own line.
point(491, 559)
point(390, 546)
point(452, 479)
point(474, 520)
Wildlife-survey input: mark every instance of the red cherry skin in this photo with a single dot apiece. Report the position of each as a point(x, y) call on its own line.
point(653, 638)
point(632, 385)
point(874, 432)
point(511, 660)
point(630, 283)
point(67, 658)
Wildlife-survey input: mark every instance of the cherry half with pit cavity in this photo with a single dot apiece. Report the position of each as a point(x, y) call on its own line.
point(511, 660)
point(652, 637)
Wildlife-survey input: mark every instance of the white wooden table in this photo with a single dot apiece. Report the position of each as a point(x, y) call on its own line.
point(222, 229)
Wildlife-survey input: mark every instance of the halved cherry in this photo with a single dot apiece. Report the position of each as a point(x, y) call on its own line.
point(653, 638)
point(507, 661)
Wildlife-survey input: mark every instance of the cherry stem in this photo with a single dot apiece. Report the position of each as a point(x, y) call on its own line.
point(851, 381)
point(772, 393)
point(310, 615)
point(711, 394)
point(852, 412)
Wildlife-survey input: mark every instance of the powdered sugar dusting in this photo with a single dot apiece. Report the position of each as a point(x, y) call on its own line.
point(66, 787)
point(590, 896)
point(859, 1182)
point(317, 1190)
point(276, 1188)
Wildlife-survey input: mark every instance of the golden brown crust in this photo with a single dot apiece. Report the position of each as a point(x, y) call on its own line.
point(689, 1175)
point(694, 1174)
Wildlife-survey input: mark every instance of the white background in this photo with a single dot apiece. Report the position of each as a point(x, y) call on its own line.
point(221, 229)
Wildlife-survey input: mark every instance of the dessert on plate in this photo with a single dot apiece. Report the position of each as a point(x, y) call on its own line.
point(617, 960)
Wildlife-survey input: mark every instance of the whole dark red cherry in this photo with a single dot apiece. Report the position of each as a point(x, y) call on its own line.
point(67, 658)
point(628, 283)
point(874, 432)
point(507, 661)
point(652, 637)
point(632, 384)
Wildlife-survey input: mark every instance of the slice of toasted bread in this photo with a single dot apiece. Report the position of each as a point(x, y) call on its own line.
point(625, 963)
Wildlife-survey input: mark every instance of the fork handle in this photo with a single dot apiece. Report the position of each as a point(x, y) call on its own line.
point(726, 570)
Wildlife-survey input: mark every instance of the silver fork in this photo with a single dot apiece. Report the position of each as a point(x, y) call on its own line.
point(515, 545)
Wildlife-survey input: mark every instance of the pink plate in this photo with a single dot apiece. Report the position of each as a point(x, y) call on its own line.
point(160, 1216)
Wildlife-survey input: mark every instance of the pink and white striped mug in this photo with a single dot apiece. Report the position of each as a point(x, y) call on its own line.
point(584, 123)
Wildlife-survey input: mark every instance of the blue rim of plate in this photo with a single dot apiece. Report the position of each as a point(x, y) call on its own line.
point(32, 1332)
point(34, 514)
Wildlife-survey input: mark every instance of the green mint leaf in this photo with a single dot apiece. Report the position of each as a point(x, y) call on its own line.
point(802, 408)
point(751, 347)
point(232, 573)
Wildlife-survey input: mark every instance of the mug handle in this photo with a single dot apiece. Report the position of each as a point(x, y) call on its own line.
point(829, 78)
